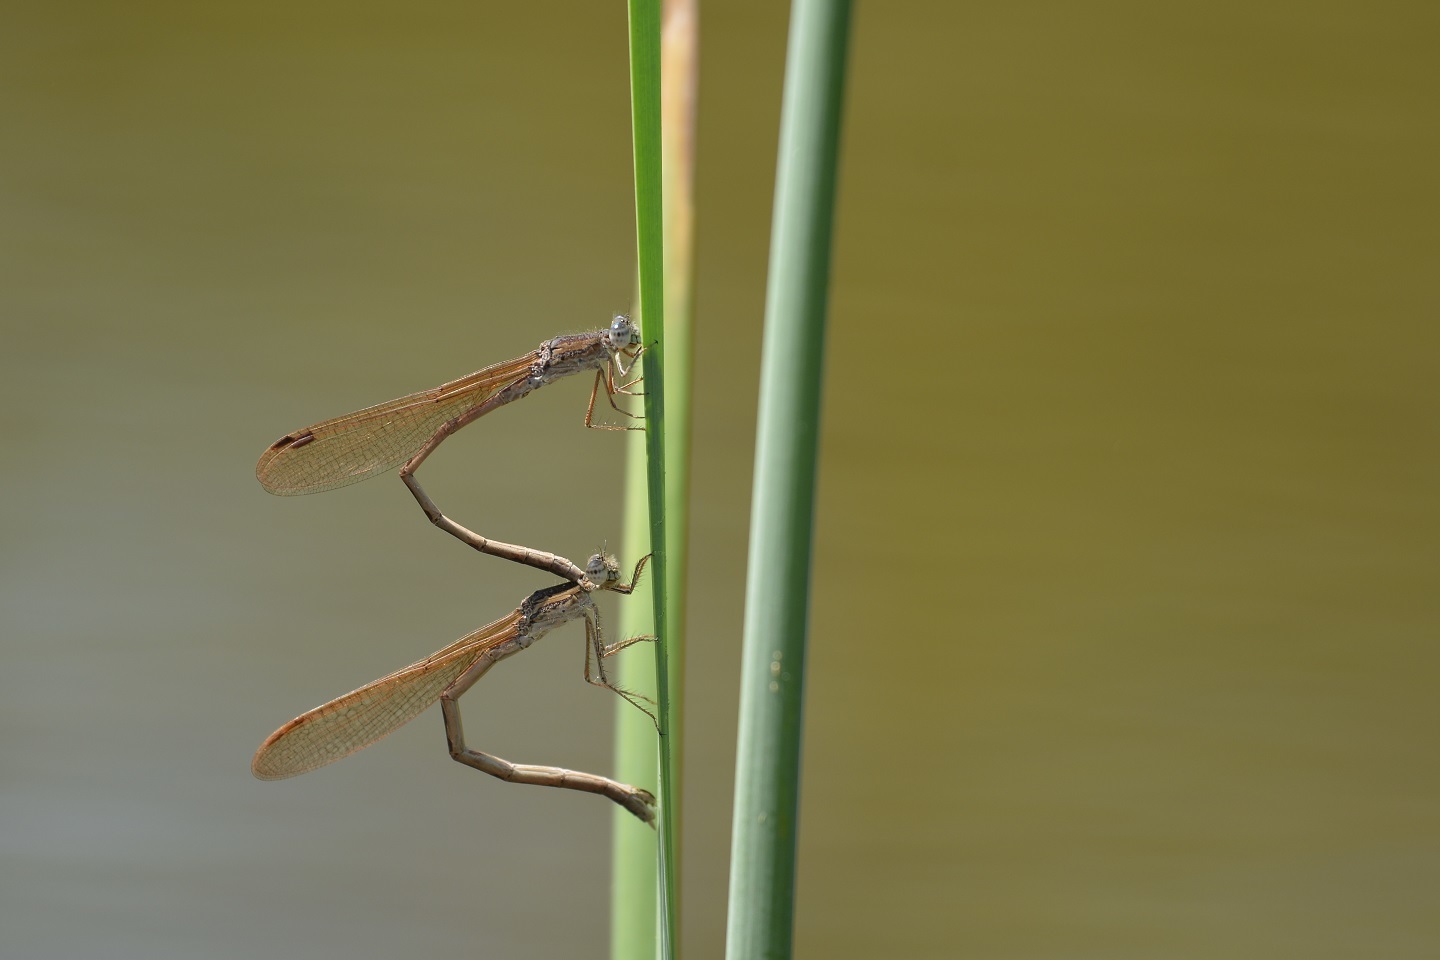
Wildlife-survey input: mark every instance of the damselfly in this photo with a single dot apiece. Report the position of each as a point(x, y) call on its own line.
point(344, 725)
point(403, 432)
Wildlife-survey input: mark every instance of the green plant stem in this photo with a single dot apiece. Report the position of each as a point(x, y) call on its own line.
point(767, 778)
point(634, 894)
point(664, 465)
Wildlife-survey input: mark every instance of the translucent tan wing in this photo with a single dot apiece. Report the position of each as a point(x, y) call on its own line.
point(358, 719)
point(359, 445)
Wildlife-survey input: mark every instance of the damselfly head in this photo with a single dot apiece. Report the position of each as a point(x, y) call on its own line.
point(623, 333)
point(602, 568)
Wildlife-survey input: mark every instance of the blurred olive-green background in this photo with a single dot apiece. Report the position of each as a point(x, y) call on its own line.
point(1125, 610)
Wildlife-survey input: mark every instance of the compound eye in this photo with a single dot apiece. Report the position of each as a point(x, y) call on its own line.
point(622, 331)
point(595, 568)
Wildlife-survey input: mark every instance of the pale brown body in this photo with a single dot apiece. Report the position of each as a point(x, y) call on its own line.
point(345, 450)
point(346, 724)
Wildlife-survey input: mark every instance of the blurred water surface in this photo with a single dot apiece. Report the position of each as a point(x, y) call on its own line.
point(1125, 612)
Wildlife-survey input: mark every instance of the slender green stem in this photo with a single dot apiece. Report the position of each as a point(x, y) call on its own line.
point(680, 73)
point(638, 927)
point(634, 918)
point(767, 777)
